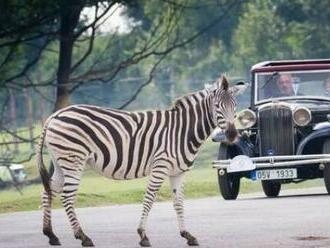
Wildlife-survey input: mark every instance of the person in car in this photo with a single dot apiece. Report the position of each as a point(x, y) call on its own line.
point(285, 85)
point(281, 87)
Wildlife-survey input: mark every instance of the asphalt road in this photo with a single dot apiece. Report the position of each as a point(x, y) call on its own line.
point(296, 219)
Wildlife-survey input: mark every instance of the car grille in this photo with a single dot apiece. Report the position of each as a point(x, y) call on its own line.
point(276, 131)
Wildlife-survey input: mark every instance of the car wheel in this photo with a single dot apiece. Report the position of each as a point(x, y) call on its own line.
point(326, 171)
point(271, 188)
point(229, 184)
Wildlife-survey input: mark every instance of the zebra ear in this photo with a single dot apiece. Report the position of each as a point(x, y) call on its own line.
point(223, 83)
point(239, 88)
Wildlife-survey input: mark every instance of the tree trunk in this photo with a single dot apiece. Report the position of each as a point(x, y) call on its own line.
point(41, 101)
point(70, 12)
point(29, 114)
point(13, 117)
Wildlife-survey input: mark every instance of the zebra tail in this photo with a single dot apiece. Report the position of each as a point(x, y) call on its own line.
point(45, 177)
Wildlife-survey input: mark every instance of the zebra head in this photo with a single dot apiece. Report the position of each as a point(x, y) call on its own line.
point(224, 107)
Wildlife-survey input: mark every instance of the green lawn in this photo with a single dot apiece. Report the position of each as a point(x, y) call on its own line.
point(96, 190)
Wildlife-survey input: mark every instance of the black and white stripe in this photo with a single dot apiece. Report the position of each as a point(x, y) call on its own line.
point(128, 145)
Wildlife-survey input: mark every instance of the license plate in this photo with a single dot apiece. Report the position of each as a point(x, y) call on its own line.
point(274, 174)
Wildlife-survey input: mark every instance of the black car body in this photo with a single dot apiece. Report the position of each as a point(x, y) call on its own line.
point(284, 138)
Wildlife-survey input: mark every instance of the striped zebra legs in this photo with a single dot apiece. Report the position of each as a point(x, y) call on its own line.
point(71, 182)
point(176, 183)
point(47, 198)
point(157, 177)
point(56, 185)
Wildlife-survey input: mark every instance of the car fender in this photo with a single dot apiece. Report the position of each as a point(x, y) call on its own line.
point(242, 147)
point(317, 134)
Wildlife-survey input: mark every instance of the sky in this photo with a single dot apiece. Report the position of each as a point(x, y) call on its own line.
point(114, 22)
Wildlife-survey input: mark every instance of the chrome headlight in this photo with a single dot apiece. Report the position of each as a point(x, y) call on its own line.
point(302, 116)
point(245, 119)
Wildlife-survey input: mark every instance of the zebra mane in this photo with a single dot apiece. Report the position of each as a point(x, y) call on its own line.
point(178, 101)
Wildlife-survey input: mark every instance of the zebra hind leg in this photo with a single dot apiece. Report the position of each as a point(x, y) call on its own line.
point(71, 183)
point(176, 183)
point(156, 179)
point(47, 225)
point(56, 185)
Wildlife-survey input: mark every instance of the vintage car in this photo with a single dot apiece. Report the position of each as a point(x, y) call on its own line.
point(284, 133)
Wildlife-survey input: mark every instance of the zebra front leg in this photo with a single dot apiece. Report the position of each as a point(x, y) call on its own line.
point(178, 197)
point(47, 229)
point(157, 177)
point(71, 183)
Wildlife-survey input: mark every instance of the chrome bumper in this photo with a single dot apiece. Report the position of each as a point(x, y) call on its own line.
point(270, 162)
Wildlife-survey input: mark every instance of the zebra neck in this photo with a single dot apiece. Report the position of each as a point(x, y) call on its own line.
point(196, 112)
point(205, 121)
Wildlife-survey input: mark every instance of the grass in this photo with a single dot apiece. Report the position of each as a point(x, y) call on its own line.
point(96, 190)
point(99, 191)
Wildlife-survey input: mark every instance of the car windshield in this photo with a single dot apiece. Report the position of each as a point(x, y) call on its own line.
point(292, 85)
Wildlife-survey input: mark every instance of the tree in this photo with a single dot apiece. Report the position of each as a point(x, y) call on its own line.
point(310, 22)
point(37, 28)
point(271, 30)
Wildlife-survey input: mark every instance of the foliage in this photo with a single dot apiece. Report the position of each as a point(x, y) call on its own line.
point(231, 36)
point(271, 30)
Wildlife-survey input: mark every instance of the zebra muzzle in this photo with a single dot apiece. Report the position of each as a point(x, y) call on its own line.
point(231, 132)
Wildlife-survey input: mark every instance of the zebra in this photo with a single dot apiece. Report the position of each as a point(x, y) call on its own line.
point(127, 145)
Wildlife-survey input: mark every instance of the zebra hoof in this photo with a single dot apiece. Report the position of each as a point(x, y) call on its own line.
point(191, 240)
point(144, 239)
point(54, 241)
point(87, 243)
point(145, 242)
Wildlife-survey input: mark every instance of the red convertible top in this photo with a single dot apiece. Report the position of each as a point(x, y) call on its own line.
point(291, 65)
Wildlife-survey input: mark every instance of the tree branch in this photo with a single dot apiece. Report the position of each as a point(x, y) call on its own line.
point(144, 53)
point(137, 92)
point(26, 27)
point(28, 65)
point(90, 47)
point(97, 18)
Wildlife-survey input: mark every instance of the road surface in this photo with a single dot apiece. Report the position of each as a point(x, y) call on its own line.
point(299, 218)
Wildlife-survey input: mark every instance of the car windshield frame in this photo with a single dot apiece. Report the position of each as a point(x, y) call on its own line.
point(294, 97)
